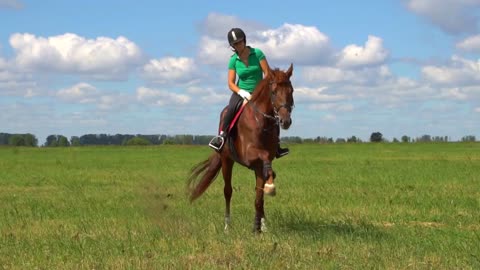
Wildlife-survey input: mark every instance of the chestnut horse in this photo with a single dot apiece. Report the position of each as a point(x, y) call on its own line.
point(252, 142)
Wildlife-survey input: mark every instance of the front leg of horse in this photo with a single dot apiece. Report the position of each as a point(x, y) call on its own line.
point(259, 221)
point(269, 176)
point(267, 172)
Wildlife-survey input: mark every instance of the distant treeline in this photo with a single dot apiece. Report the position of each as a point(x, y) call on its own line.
point(139, 139)
point(102, 139)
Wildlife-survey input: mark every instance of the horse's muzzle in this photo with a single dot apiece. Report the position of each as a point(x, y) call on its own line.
point(284, 116)
point(285, 122)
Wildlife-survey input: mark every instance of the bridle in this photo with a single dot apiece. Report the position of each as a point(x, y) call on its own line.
point(273, 96)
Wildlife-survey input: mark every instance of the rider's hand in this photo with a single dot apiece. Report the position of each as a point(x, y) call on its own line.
point(244, 94)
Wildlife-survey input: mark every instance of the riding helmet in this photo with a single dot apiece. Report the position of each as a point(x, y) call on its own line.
point(235, 35)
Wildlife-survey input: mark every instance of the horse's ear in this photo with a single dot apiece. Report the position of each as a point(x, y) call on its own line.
point(290, 70)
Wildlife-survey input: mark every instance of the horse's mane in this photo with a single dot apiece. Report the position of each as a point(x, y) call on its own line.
point(261, 91)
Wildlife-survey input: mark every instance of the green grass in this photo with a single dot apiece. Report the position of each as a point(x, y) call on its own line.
point(363, 206)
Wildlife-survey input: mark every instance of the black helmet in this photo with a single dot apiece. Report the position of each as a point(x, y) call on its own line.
point(235, 35)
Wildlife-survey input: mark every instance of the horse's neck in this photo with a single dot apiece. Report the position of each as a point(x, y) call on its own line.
point(262, 98)
point(263, 103)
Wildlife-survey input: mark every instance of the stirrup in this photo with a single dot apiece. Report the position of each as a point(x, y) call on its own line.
point(217, 147)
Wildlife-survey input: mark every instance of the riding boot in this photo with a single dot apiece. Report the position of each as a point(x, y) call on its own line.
point(281, 152)
point(218, 141)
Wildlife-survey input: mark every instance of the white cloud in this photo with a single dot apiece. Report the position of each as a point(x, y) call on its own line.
point(214, 49)
point(452, 16)
point(111, 102)
point(13, 83)
point(329, 118)
point(286, 44)
point(315, 95)
point(375, 86)
point(324, 74)
point(330, 99)
point(171, 70)
point(20, 87)
point(333, 75)
point(338, 107)
point(161, 97)
point(356, 56)
point(102, 58)
point(217, 25)
point(459, 71)
point(294, 43)
point(3, 63)
point(471, 44)
point(215, 52)
point(207, 95)
point(14, 4)
point(303, 45)
point(455, 93)
point(79, 93)
point(84, 93)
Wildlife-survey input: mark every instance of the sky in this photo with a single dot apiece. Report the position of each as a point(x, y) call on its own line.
point(399, 67)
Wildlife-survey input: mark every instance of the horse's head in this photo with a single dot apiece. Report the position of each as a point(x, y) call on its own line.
point(282, 95)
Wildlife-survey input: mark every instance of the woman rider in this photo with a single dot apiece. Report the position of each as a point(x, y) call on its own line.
point(251, 66)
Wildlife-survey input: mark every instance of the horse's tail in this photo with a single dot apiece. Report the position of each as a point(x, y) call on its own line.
point(202, 175)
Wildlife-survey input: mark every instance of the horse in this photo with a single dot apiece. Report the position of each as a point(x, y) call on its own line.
point(252, 143)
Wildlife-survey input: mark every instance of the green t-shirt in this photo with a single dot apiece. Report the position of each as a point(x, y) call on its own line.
point(248, 77)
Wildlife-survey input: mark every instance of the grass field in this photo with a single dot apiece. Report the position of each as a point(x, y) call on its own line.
point(348, 206)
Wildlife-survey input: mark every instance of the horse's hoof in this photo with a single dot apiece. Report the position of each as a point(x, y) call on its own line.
point(269, 189)
point(263, 225)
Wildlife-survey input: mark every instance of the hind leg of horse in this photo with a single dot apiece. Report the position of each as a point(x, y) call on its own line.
point(227, 165)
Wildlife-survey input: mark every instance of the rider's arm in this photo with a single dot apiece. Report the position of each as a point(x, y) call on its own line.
point(232, 76)
point(234, 87)
point(265, 67)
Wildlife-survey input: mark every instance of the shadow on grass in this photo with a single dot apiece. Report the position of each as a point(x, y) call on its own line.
point(301, 224)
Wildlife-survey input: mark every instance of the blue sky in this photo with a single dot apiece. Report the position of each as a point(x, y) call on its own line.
point(401, 67)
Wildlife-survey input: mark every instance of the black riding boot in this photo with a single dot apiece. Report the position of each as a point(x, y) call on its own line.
point(281, 151)
point(218, 141)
